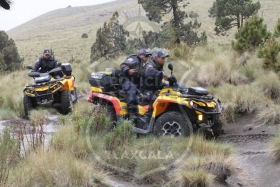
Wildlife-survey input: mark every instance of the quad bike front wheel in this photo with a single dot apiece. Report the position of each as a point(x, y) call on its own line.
point(66, 102)
point(28, 105)
point(217, 126)
point(173, 124)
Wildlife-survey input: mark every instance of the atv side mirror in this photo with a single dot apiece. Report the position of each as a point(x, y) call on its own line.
point(170, 66)
point(58, 64)
point(29, 67)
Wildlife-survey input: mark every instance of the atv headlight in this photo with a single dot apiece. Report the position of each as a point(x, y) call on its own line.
point(191, 103)
point(200, 117)
point(211, 104)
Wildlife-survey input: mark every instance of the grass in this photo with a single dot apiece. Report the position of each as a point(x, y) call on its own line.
point(71, 157)
point(275, 146)
point(193, 176)
point(54, 168)
point(9, 155)
point(209, 161)
point(6, 114)
point(268, 84)
point(68, 140)
point(126, 154)
point(269, 114)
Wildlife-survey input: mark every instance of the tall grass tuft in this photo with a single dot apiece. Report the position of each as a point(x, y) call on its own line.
point(193, 174)
point(268, 114)
point(69, 141)
point(53, 168)
point(268, 84)
point(275, 146)
point(6, 114)
point(208, 161)
point(9, 155)
point(242, 99)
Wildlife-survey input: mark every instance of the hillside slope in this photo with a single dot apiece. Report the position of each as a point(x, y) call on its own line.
point(62, 29)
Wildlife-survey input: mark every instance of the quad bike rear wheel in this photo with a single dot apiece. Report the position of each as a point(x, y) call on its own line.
point(173, 124)
point(66, 102)
point(27, 104)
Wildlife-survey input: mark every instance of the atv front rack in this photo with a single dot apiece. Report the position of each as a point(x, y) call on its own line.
point(43, 97)
point(201, 99)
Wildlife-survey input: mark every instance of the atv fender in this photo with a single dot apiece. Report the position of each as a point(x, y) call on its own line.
point(115, 102)
point(162, 104)
point(68, 84)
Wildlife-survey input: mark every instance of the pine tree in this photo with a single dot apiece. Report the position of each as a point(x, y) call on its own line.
point(251, 35)
point(157, 8)
point(3, 65)
point(212, 11)
point(232, 13)
point(270, 55)
point(110, 39)
point(9, 56)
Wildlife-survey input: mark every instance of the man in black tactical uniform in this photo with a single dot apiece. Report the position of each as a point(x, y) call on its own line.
point(153, 76)
point(45, 63)
point(133, 69)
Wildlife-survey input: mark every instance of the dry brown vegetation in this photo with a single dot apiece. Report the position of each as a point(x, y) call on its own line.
point(275, 147)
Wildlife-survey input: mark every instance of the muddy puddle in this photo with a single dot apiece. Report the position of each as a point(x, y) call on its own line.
point(21, 129)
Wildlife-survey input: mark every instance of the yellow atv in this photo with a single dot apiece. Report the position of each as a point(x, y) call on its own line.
point(55, 87)
point(177, 110)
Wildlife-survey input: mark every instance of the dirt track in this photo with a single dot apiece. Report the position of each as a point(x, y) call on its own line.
point(255, 166)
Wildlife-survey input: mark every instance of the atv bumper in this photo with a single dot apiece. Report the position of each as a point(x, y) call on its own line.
point(43, 93)
point(205, 108)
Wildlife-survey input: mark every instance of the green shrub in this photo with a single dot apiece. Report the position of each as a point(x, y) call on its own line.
point(277, 29)
point(251, 35)
point(84, 35)
point(270, 55)
point(97, 122)
point(177, 52)
point(122, 135)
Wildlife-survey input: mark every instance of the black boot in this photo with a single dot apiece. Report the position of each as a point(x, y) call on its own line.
point(132, 112)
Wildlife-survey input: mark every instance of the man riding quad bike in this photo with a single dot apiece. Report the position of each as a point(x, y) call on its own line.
point(55, 86)
point(177, 110)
